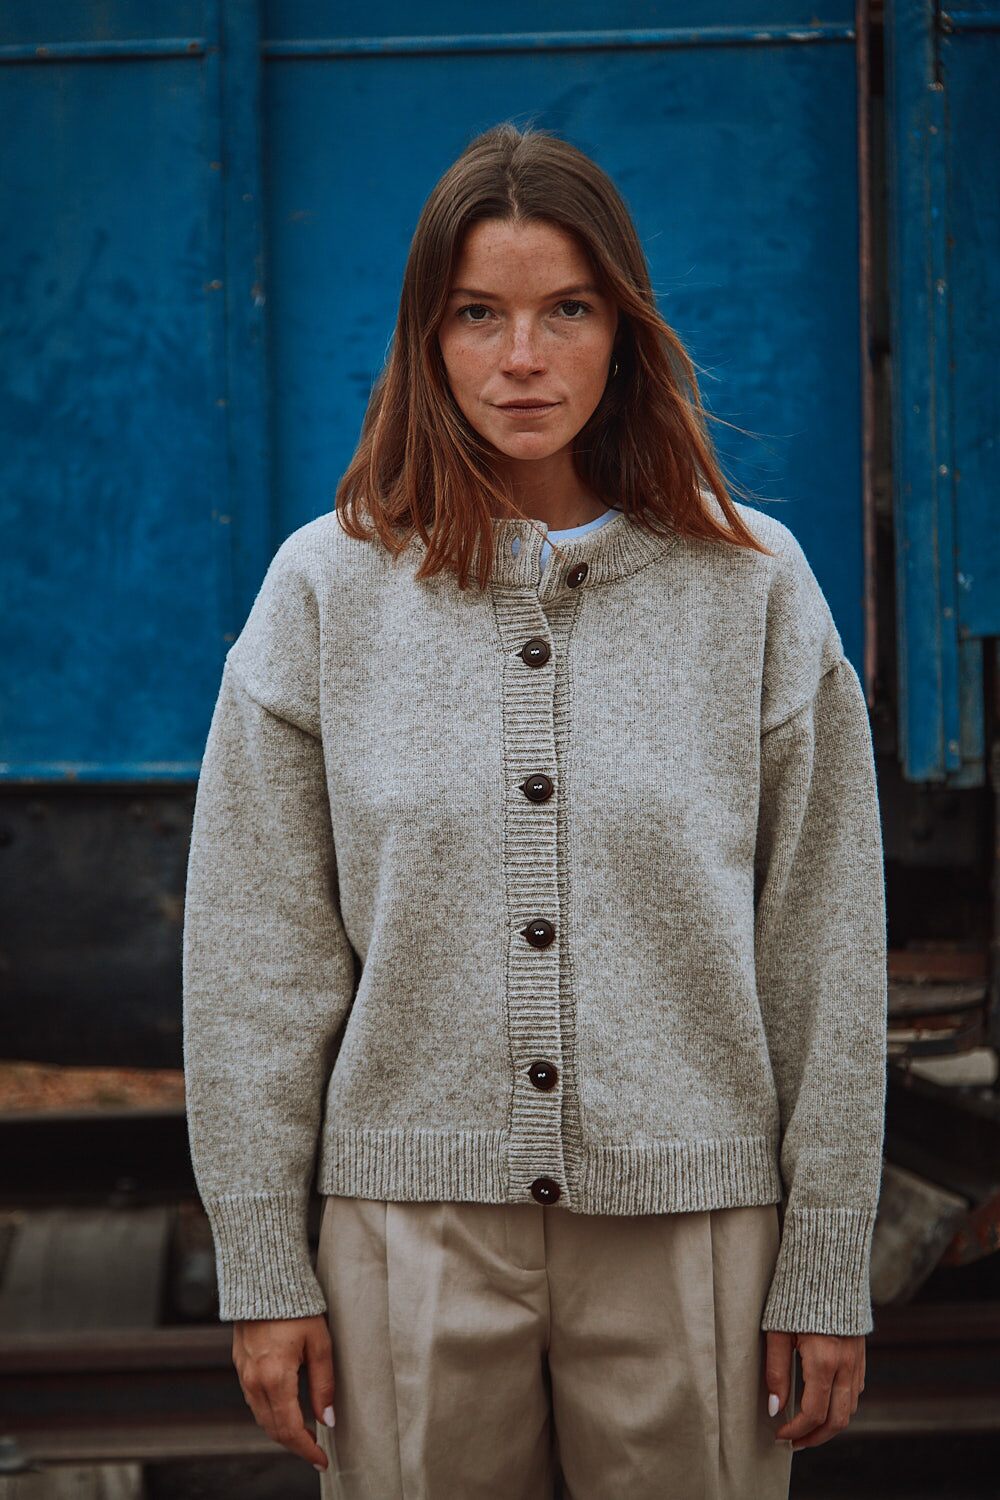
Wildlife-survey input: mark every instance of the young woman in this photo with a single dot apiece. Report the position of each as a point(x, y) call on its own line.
point(539, 912)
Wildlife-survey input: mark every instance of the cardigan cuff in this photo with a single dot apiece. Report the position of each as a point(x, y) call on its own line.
point(262, 1259)
point(821, 1281)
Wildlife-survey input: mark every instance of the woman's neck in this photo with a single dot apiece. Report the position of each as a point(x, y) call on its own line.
point(551, 492)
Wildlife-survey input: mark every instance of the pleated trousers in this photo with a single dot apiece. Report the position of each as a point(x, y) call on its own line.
point(524, 1352)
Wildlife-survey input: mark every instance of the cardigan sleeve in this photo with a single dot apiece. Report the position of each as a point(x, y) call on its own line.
point(820, 949)
point(268, 970)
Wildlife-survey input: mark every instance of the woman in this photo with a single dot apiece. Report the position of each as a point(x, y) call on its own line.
point(548, 907)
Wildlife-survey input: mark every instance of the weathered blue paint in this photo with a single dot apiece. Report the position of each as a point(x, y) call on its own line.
point(167, 421)
point(983, 18)
point(580, 40)
point(82, 51)
point(970, 68)
point(250, 526)
point(303, 21)
point(944, 123)
point(112, 331)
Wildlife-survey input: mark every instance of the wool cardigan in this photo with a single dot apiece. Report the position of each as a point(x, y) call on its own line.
point(568, 891)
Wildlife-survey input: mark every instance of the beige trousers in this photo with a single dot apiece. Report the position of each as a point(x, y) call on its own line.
point(522, 1352)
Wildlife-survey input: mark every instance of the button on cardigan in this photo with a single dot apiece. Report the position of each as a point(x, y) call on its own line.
point(569, 891)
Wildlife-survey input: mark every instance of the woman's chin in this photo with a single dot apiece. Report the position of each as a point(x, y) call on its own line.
point(526, 445)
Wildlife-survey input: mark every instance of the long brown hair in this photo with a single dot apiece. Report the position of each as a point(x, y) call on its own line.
point(420, 468)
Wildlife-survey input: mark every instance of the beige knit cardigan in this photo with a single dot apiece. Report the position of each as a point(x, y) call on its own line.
point(566, 892)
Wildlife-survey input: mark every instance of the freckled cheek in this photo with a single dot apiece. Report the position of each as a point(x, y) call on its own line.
point(585, 372)
point(468, 370)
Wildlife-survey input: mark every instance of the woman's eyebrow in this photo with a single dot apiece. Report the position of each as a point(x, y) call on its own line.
point(566, 291)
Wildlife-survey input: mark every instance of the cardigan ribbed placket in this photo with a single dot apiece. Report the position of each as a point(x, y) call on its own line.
point(535, 612)
point(531, 861)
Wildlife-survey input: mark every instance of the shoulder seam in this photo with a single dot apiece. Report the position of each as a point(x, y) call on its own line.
point(806, 703)
point(265, 707)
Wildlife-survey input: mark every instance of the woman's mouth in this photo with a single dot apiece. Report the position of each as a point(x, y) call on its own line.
point(528, 411)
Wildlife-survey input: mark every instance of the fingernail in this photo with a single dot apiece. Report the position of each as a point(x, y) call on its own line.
point(773, 1405)
point(320, 1467)
point(328, 1415)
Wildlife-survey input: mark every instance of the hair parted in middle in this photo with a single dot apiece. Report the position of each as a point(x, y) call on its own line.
point(421, 469)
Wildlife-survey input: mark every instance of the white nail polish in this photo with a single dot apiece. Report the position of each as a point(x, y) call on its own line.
point(773, 1405)
point(328, 1415)
point(319, 1467)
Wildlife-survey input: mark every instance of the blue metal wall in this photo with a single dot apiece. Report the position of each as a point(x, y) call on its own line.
point(206, 208)
point(943, 110)
point(115, 377)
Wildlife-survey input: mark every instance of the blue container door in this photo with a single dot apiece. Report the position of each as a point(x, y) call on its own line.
point(207, 207)
point(943, 125)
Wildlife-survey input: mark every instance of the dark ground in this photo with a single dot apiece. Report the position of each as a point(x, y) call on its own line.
point(935, 1467)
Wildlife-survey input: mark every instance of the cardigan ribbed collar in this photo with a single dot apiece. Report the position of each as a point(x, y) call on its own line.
point(615, 550)
point(618, 548)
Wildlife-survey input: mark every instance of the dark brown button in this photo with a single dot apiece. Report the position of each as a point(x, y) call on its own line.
point(577, 575)
point(538, 788)
point(544, 1075)
point(544, 1190)
point(539, 932)
point(536, 652)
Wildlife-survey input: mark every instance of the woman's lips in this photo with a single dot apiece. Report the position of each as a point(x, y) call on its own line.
point(528, 411)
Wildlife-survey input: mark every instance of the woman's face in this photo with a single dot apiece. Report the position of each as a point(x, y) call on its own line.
point(525, 322)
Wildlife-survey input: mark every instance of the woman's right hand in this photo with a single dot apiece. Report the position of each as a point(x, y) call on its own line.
point(268, 1353)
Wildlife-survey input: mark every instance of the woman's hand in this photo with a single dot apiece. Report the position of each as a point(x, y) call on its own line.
point(833, 1377)
point(267, 1354)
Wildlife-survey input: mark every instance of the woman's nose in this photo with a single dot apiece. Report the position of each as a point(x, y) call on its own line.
point(521, 355)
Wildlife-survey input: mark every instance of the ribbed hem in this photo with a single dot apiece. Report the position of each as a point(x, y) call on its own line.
point(821, 1281)
point(679, 1176)
point(414, 1165)
point(485, 1167)
point(262, 1256)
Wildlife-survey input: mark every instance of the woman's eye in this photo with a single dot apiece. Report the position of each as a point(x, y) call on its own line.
point(478, 307)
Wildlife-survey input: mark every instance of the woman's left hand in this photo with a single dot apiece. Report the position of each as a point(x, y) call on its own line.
point(833, 1377)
